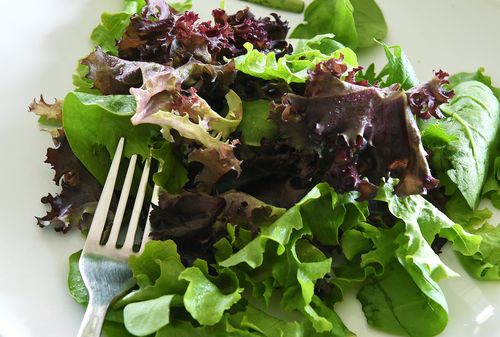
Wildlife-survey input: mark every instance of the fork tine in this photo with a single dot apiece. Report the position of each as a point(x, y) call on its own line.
point(101, 212)
point(139, 200)
point(147, 228)
point(122, 203)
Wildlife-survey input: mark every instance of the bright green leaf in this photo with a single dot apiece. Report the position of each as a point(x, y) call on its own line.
point(146, 317)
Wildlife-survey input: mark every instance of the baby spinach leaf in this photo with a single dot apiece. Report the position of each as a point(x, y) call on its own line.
point(370, 22)
point(256, 124)
point(398, 69)
point(472, 120)
point(329, 16)
point(93, 126)
point(296, 6)
point(355, 23)
point(394, 303)
point(113, 25)
point(76, 287)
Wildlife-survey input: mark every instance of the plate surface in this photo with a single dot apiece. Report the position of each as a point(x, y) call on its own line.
point(40, 45)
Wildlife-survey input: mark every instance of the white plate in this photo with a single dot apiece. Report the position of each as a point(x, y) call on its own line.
point(41, 41)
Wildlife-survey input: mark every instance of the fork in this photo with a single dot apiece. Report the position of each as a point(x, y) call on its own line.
point(104, 267)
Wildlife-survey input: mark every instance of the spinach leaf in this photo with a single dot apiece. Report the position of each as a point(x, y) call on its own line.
point(355, 23)
point(296, 6)
point(256, 124)
point(113, 25)
point(93, 126)
point(76, 287)
point(394, 303)
point(462, 160)
point(398, 69)
point(370, 22)
point(491, 188)
point(325, 43)
point(329, 16)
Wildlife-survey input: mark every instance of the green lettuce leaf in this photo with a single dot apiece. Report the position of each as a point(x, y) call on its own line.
point(204, 300)
point(290, 68)
point(485, 264)
point(294, 263)
point(157, 272)
point(81, 82)
point(146, 317)
point(414, 267)
point(420, 215)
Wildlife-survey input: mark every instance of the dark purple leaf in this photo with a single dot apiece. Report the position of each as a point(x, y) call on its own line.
point(425, 99)
point(76, 203)
point(353, 129)
point(161, 35)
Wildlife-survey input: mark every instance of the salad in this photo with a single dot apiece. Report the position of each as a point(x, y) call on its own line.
point(289, 173)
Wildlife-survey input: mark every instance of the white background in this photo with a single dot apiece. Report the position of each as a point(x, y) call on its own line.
point(39, 46)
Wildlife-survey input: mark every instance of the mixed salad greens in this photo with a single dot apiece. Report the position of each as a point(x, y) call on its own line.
point(289, 174)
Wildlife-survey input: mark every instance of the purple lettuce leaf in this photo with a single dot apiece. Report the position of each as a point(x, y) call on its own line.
point(75, 204)
point(160, 34)
point(353, 129)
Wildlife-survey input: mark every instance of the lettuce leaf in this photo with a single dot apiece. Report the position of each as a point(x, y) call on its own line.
point(290, 68)
point(415, 270)
point(485, 264)
point(79, 194)
point(146, 317)
point(293, 262)
point(204, 300)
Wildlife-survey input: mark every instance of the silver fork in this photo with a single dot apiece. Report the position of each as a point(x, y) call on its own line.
point(104, 267)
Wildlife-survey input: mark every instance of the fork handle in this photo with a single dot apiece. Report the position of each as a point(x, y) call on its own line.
point(92, 321)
